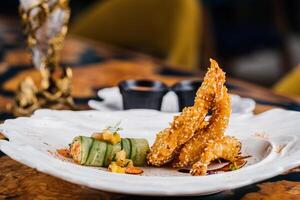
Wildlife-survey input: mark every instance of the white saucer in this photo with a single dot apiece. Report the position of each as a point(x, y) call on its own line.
point(113, 102)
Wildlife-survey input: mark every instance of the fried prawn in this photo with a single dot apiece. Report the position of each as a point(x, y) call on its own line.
point(169, 141)
point(193, 142)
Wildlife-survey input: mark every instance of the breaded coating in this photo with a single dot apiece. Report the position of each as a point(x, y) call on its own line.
point(190, 141)
point(169, 141)
point(217, 124)
point(225, 147)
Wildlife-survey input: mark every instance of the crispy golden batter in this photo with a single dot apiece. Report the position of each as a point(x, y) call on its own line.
point(190, 141)
point(190, 152)
point(225, 147)
point(169, 141)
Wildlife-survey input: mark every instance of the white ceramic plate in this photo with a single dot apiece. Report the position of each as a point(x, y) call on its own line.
point(271, 138)
point(113, 101)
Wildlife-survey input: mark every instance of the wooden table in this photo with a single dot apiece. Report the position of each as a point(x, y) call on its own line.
point(96, 66)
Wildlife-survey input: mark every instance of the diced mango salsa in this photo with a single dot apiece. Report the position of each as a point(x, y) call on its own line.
point(107, 136)
point(116, 138)
point(113, 167)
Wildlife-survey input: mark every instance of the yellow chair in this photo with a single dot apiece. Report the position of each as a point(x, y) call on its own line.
point(165, 28)
point(290, 84)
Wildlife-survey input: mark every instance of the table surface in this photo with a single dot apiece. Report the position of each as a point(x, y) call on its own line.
point(96, 66)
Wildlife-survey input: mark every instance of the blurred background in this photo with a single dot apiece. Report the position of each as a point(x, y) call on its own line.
point(254, 40)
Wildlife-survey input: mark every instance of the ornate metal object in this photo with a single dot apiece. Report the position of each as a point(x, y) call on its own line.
point(45, 23)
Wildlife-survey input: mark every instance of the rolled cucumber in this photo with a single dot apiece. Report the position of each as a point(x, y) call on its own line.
point(126, 146)
point(134, 151)
point(92, 152)
point(141, 150)
point(108, 154)
point(80, 148)
point(97, 153)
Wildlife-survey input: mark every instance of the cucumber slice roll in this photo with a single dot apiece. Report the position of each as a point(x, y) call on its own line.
point(108, 155)
point(126, 146)
point(97, 154)
point(80, 149)
point(88, 151)
point(142, 148)
point(133, 145)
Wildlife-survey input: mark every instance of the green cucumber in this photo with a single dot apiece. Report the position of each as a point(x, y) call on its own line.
point(97, 154)
point(100, 154)
point(108, 153)
point(133, 145)
point(86, 144)
point(142, 148)
point(125, 143)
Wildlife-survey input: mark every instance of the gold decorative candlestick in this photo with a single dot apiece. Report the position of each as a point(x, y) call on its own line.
point(45, 23)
